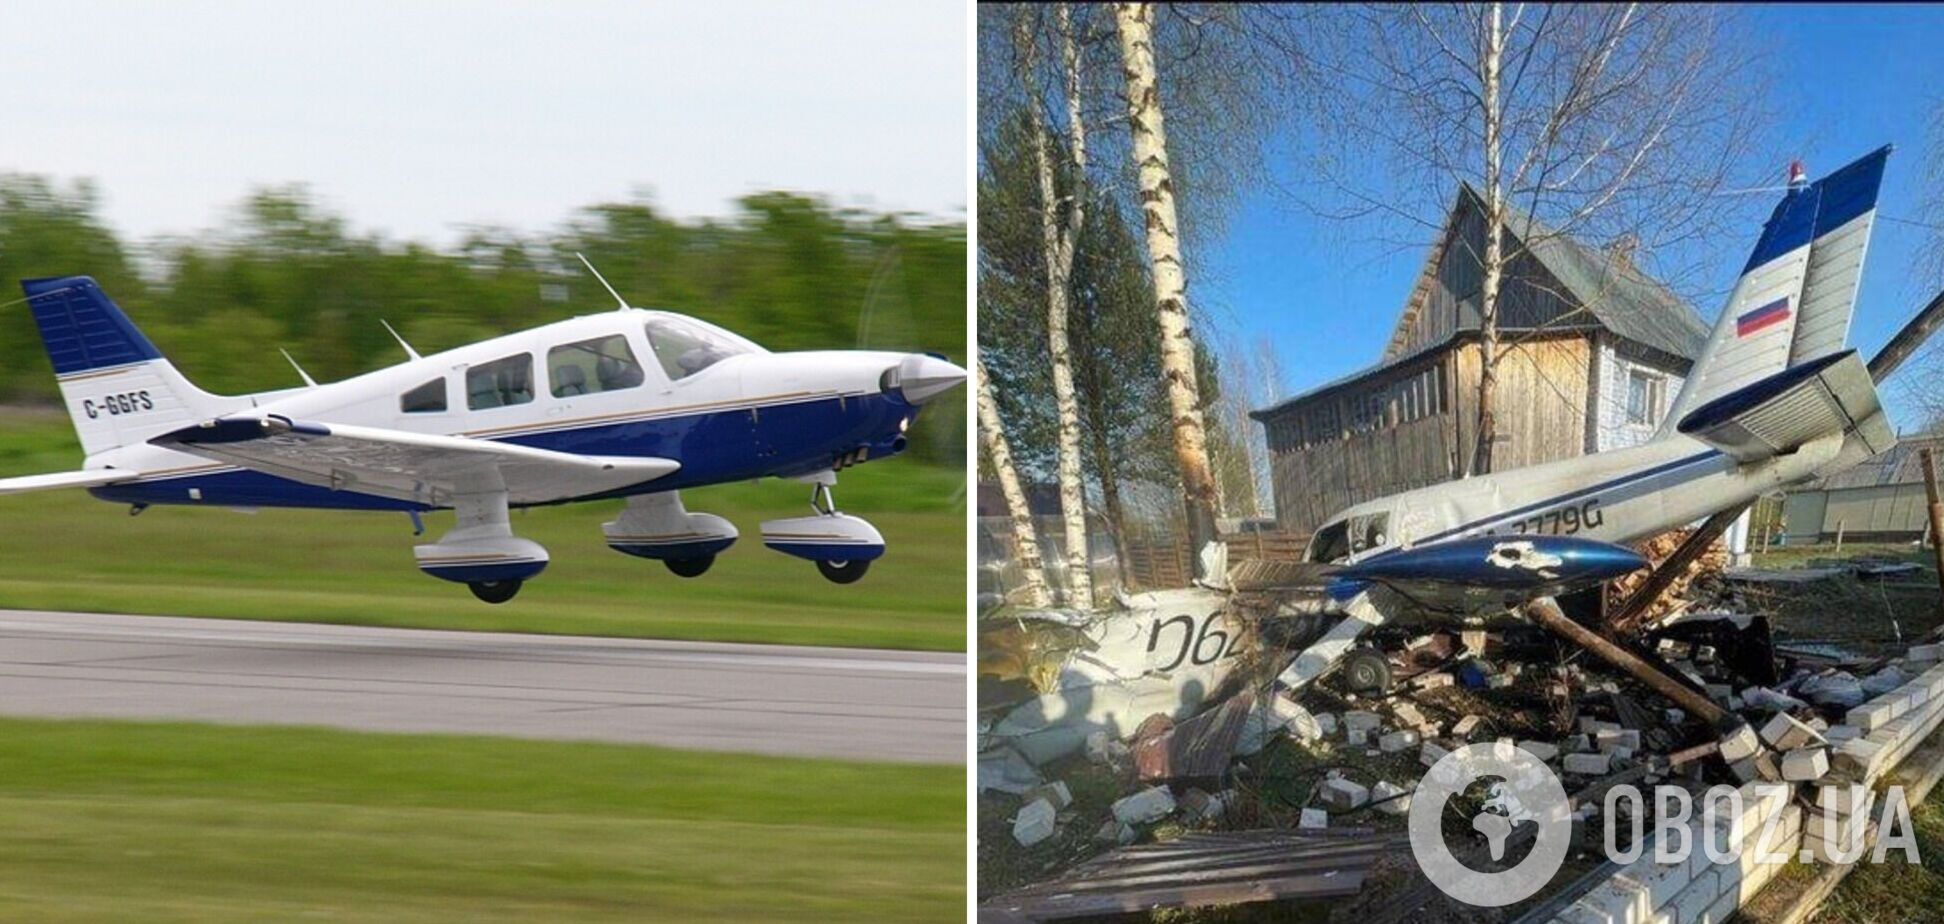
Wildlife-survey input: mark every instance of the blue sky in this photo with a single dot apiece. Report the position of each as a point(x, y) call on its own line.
point(1847, 80)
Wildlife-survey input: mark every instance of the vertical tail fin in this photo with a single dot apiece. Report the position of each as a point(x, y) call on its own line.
point(118, 387)
point(1797, 293)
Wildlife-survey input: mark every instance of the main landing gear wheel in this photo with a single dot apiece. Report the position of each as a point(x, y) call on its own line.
point(689, 567)
point(843, 572)
point(1366, 670)
point(495, 591)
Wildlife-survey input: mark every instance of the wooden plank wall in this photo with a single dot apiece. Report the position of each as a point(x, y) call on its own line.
point(1159, 561)
point(1542, 385)
point(1312, 484)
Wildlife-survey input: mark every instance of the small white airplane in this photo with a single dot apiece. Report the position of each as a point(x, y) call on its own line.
point(629, 403)
point(1775, 399)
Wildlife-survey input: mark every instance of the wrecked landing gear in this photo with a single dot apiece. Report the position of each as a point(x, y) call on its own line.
point(1366, 670)
point(842, 546)
point(495, 591)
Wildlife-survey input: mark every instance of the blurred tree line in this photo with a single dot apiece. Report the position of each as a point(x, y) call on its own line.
point(788, 271)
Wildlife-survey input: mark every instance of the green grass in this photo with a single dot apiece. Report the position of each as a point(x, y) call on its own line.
point(66, 550)
point(155, 822)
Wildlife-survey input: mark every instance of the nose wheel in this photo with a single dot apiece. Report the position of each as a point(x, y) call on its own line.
point(841, 545)
point(495, 591)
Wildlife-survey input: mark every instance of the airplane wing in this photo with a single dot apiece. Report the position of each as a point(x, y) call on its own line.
point(84, 479)
point(407, 466)
point(1830, 396)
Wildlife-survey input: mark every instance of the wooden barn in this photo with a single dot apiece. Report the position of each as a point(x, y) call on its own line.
point(1594, 351)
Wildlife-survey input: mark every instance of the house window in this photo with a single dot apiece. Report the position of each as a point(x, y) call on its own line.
point(1644, 393)
point(429, 398)
point(500, 383)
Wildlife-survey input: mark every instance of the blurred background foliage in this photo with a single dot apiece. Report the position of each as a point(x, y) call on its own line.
point(789, 271)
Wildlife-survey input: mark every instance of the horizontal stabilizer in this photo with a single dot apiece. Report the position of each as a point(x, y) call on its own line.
point(420, 467)
point(89, 479)
point(1832, 396)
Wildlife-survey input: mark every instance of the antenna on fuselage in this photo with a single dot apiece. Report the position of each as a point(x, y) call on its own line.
point(401, 340)
point(300, 369)
point(603, 280)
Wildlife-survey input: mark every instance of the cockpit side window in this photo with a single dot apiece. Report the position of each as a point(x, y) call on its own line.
point(589, 366)
point(429, 398)
point(1331, 543)
point(500, 383)
point(1368, 532)
point(683, 347)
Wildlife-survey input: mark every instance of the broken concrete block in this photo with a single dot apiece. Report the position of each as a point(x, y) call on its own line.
point(1540, 750)
point(1400, 740)
point(1784, 733)
point(1116, 832)
point(1745, 770)
point(1431, 753)
point(1326, 723)
point(1740, 744)
point(1408, 714)
point(1620, 755)
point(1103, 748)
point(1719, 692)
point(1870, 716)
point(1357, 722)
point(1860, 757)
point(1499, 681)
point(1767, 767)
point(1341, 794)
point(1151, 804)
point(1034, 823)
point(1314, 819)
point(1804, 764)
point(1391, 799)
point(1675, 716)
point(1837, 734)
point(1589, 764)
point(1608, 739)
point(1434, 680)
point(1465, 726)
point(1055, 792)
point(1593, 726)
point(1931, 652)
point(1575, 744)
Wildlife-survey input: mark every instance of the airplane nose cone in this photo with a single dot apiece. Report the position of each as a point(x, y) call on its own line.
point(921, 377)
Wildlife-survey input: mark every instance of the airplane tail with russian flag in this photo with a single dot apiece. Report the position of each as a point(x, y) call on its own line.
point(1793, 303)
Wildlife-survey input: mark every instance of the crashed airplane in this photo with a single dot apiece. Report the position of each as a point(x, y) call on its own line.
point(1776, 398)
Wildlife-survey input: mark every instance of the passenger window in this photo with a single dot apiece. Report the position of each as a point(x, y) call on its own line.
point(500, 383)
point(589, 366)
point(428, 398)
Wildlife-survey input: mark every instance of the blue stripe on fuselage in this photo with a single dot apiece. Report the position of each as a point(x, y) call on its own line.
point(1556, 500)
point(715, 447)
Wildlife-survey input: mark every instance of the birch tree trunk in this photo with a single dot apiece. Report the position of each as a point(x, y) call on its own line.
point(1135, 22)
point(1492, 51)
point(1059, 240)
point(999, 452)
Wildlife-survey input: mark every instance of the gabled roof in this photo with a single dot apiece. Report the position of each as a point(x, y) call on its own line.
point(1620, 298)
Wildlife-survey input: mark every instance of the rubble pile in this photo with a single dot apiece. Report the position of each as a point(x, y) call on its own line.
point(1702, 580)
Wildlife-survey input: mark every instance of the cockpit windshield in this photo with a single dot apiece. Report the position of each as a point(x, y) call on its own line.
point(1331, 543)
point(684, 346)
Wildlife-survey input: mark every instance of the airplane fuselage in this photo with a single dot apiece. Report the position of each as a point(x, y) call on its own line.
point(745, 413)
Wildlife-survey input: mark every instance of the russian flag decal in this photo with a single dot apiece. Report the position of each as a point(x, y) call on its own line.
point(1762, 318)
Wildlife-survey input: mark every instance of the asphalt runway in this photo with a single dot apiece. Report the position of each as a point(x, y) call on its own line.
point(771, 699)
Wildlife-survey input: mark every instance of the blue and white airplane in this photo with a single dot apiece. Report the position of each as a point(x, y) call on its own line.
point(1776, 398)
point(629, 403)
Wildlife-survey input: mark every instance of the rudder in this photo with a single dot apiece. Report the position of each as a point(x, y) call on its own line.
point(118, 387)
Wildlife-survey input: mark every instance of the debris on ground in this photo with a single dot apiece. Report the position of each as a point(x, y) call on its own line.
point(1146, 758)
